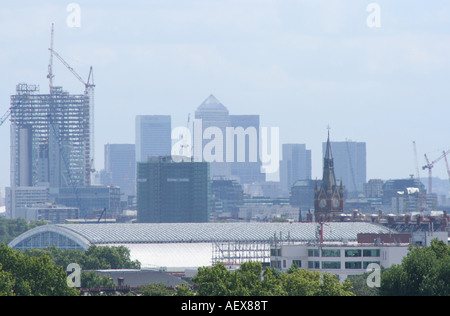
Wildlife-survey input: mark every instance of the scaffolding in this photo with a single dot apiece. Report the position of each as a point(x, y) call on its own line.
point(50, 138)
point(238, 252)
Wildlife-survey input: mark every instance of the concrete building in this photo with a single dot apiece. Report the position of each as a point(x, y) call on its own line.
point(343, 258)
point(91, 201)
point(19, 197)
point(50, 212)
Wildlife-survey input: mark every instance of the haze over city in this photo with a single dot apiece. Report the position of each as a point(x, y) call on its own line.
point(300, 65)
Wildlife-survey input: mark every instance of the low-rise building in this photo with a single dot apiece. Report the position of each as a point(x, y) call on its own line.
point(342, 258)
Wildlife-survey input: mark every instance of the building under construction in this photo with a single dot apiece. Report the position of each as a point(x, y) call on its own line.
point(50, 138)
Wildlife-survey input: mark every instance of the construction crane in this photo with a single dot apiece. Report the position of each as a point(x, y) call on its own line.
point(88, 90)
point(351, 165)
point(86, 84)
point(430, 166)
point(446, 164)
point(416, 161)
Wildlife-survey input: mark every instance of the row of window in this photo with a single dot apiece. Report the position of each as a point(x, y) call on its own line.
point(337, 264)
point(349, 253)
point(350, 265)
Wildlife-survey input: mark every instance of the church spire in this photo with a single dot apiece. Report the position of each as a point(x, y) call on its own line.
point(329, 179)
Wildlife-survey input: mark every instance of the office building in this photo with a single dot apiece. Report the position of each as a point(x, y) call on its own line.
point(153, 136)
point(226, 198)
point(50, 212)
point(295, 165)
point(120, 164)
point(246, 165)
point(212, 117)
point(342, 257)
point(91, 201)
point(302, 194)
point(172, 192)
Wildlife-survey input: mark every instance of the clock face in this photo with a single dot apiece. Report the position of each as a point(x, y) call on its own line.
point(322, 203)
point(335, 203)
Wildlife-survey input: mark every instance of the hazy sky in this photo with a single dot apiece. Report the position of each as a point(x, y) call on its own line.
point(300, 64)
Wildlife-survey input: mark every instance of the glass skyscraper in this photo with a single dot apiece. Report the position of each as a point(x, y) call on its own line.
point(172, 192)
point(120, 163)
point(153, 136)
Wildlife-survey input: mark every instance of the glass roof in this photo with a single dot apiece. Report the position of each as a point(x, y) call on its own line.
point(215, 232)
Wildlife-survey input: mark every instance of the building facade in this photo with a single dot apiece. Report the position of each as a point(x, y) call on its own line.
point(349, 163)
point(340, 258)
point(120, 163)
point(246, 166)
point(172, 192)
point(212, 117)
point(153, 136)
point(295, 165)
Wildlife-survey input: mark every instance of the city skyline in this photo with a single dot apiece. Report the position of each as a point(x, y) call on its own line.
point(298, 65)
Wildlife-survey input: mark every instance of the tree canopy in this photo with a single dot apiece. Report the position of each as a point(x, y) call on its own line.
point(425, 271)
point(250, 280)
point(21, 275)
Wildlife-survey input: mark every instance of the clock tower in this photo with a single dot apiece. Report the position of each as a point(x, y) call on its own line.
point(329, 198)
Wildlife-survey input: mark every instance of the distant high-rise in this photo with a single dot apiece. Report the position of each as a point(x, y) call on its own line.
point(120, 163)
point(51, 139)
point(172, 192)
point(295, 165)
point(248, 169)
point(153, 136)
point(214, 116)
point(350, 163)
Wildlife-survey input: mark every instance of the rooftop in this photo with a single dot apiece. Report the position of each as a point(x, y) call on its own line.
point(118, 233)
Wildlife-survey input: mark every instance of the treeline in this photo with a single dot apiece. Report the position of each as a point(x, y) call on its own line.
point(425, 271)
point(11, 228)
point(42, 272)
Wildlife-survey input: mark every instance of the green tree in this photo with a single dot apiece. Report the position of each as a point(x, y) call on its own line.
point(155, 289)
point(249, 280)
point(92, 280)
point(213, 281)
point(11, 228)
point(425, 271)
point(6, 283)
point(33, 276)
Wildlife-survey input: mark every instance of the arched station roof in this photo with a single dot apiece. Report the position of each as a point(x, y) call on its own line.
point(83, 235)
